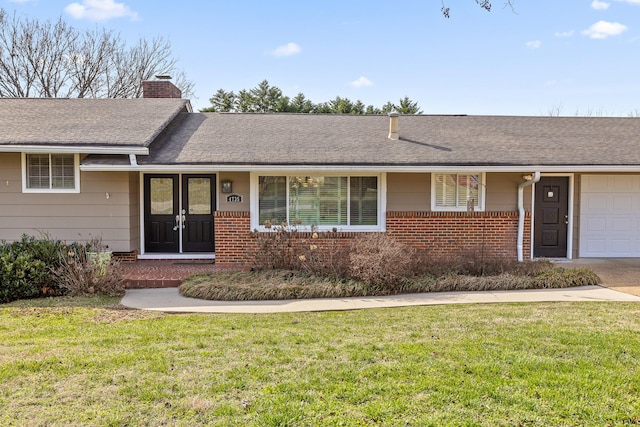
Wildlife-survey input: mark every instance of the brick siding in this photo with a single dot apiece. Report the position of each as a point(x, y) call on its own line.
point(126, 256)
point(160, 89)
point(453, 233)
point(232, 237)
point(441, 233)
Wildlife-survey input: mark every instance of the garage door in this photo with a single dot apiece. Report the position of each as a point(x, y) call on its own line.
point(610, 216)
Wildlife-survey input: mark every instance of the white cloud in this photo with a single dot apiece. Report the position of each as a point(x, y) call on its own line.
point(600, 5)
point(99, 10)
point(361, 82)
point(286, 50)
point(630, 1)
point(604, 29)
point(565, 34)
point(19, 1)
point(534, 44)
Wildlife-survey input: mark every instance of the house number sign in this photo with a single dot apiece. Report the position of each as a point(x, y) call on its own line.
point(234, 198)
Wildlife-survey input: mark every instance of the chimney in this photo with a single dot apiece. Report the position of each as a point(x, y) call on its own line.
point(393, 126)
point(160, 88)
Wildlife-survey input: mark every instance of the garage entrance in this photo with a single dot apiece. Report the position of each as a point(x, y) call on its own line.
point(610, 216)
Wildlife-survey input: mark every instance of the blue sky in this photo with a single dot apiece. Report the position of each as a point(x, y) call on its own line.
point(573, 56)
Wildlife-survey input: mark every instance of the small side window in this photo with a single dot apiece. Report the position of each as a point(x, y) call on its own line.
point(457, 192)
point(49, 172)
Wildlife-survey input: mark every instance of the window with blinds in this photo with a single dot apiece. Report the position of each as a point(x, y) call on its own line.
point(364, 200)
point(331, 201)
point(50, 171)
point(456, 191)
point(318, 200)
point(272, 201)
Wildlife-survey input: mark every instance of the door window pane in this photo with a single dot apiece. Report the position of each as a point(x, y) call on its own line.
point(161, 196)
point(199, 190)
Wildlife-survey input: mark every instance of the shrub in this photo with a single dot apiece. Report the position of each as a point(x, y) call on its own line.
point(383, 265)
point(475, 263)
point(21, 276)
point(24, 268)
point(284, 248)
point(283, 284)
point(33, 267)
point(378, 258)
point(274, 249)
point(322, 255)
point(79, 274)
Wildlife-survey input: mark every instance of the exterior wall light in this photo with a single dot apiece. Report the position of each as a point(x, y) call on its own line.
point(226, 186)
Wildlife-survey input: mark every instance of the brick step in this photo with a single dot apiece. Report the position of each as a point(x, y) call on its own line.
point(165, 273)
point(152, 283)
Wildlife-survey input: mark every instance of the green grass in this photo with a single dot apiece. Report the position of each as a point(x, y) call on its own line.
point(90, 362)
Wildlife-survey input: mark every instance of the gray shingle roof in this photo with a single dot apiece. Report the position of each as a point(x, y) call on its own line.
point(86, 122)
point(344, 140)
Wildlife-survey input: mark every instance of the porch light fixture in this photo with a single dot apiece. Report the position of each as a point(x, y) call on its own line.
point(226, 186)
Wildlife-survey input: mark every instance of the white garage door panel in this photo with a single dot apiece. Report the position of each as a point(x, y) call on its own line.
point(622, 203)
point(610, 216)
point(595, 225)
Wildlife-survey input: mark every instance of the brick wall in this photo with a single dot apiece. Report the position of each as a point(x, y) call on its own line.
point(442, 233)
point(232, 237)
point(126, 256)
point(160, 89)
point(451, 233)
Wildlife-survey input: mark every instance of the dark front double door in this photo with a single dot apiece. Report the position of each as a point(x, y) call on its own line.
point(551, 217)
point(178, 213)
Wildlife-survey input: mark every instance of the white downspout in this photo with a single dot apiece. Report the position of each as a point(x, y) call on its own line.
point(530, 180)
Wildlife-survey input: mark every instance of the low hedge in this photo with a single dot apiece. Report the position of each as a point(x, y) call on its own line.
point(41, 267)
point(25, 268)
point(286, 284)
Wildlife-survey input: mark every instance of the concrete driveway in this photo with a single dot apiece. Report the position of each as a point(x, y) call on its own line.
point(620, 274)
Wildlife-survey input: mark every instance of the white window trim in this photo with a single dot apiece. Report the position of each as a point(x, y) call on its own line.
point(481, 193)
point(76, 176)
point(382, 201)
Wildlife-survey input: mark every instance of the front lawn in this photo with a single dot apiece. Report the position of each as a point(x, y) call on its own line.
point(93, 363)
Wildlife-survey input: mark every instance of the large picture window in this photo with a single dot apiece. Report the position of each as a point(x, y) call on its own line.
point(345, 202)
point(50, 172)
point(457, 192)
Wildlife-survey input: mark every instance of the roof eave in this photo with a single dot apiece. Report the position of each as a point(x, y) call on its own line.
point(84, 149)
point(362, 168)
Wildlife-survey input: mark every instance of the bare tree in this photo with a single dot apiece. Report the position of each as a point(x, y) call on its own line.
point(89, 63)
point(555, 111)
point(484, 4)
point(45, 59)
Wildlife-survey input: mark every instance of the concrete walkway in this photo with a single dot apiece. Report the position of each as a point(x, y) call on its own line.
point(620, 274)
point(170, 300)
point(620, 277)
